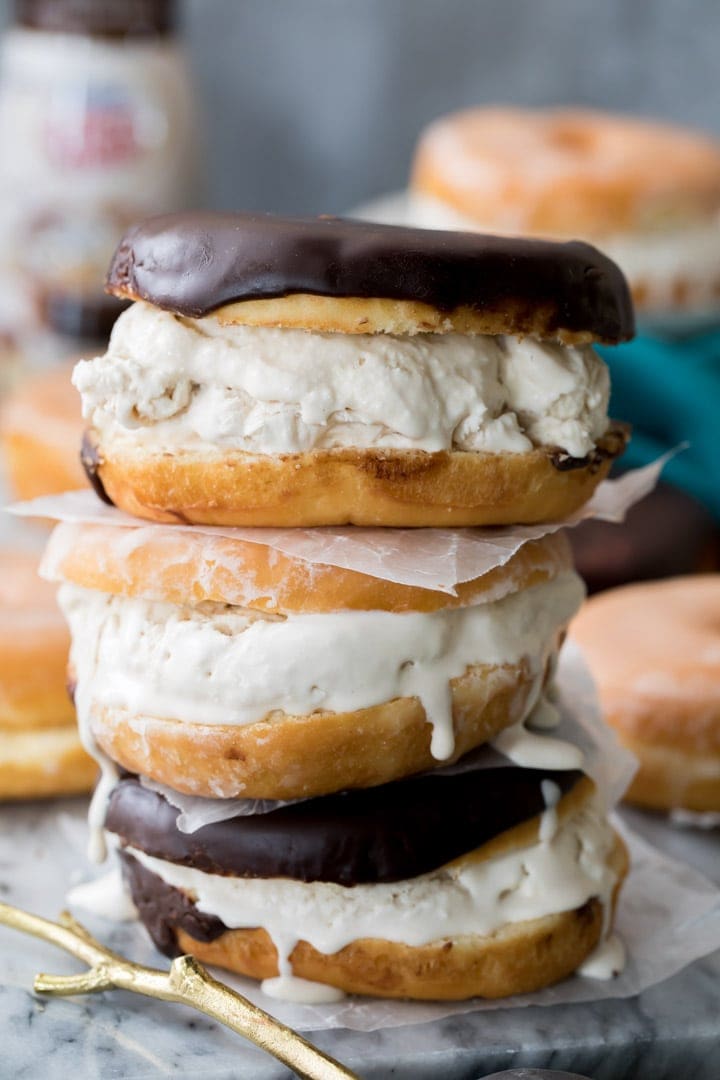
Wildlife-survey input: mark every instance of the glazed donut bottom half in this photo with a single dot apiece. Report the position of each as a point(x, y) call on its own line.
point(519, 910)
point(349, 486)
point(290, 757)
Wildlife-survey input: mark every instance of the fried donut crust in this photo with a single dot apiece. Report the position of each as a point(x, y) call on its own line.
point(350, 486)
point(673, 779)
point(288, 757)
point(517, 959)
point(34, 646)
point(375, 315)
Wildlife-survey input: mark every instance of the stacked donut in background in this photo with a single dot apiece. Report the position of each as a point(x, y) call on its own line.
point(40, 428)
point(40, 752)
point(660, 689)
point(647, 194)
point(315, 776)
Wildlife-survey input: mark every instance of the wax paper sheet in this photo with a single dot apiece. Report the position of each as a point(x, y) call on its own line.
point(435, 559)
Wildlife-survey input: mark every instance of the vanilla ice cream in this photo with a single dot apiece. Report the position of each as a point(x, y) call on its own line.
point(169, 382)
point(220, 665)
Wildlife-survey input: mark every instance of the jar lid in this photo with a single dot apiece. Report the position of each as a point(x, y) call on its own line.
point(99, 18)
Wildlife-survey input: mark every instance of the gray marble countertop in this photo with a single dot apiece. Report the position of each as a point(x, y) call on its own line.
point(669, 1031)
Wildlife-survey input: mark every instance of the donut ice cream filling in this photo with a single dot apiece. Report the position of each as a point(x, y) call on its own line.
point(170, 383)
point(566, 867)
point(221, 665)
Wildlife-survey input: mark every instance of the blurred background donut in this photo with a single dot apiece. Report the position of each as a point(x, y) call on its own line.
point(40, 752)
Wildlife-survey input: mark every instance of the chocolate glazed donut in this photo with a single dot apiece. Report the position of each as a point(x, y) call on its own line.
point(274, 875)
point(193, 264)
point(387, 833)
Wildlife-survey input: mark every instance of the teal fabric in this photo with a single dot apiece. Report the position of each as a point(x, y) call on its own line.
point(669, 390)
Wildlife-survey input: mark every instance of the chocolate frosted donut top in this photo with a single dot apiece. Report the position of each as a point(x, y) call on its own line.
point(193, 263)
point(387, 833)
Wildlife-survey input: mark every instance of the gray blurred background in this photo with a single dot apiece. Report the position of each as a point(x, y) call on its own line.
point(314, 105)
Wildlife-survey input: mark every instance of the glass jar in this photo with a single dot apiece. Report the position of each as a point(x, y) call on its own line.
point(98, 128)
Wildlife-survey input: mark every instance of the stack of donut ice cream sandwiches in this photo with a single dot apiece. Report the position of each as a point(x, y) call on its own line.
point(314, 776)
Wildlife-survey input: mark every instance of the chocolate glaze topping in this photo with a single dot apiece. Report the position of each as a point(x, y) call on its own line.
point(192, 263)
point(613, 443)
point(387, 833)
point(165, 909)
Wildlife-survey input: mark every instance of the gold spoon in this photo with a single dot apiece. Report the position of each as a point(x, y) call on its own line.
point(187, 982)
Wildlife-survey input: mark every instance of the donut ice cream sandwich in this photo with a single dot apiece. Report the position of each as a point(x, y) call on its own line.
point(223, 668)
point(40, 752)
point(654, 651)
point(485, 883)
point(648, 194)
point(321, 372)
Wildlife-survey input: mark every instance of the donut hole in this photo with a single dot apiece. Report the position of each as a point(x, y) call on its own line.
point(571, 138)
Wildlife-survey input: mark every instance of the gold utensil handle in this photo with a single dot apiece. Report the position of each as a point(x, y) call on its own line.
point(187, 983)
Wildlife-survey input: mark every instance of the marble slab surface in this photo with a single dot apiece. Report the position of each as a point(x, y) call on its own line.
point(669, 1031)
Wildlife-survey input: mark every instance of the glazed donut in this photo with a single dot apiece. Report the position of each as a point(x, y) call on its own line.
point(40, 753)
point(43, 763)
point(407, 890)
point(41, 429)
point(324, 372)
point(654, 650)
point(222, 669)
point(647, 194)
point(333, 275)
